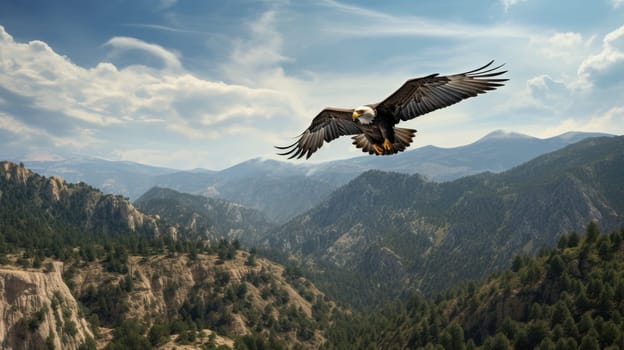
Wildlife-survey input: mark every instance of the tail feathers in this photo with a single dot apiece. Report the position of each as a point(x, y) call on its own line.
point(402, 139)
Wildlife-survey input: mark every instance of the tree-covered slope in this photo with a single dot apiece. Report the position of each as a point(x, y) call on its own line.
point(47, 214)
point(137, 282)
point(399, 231)
point(571, 297)
point(199, 217)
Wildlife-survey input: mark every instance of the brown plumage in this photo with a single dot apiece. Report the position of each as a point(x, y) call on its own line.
point(373, 124)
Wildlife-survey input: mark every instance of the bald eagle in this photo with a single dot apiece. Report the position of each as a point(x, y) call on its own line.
point(373, 124)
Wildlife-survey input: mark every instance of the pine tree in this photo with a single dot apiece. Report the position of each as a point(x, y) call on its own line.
point(589, 342)
point(562, 242)
point(592, 232)
point(557, 266)
point(573, 239)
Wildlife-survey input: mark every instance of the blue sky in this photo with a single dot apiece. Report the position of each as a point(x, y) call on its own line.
point(189, 84)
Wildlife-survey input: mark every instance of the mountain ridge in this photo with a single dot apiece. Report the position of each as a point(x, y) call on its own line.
point(384, 233)
point(77, 264)
point(203, 218)
point(269, 185)
point(466, 227)
point(55, 200)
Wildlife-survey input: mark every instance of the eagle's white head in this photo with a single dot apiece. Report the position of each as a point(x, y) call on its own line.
point(365, 114)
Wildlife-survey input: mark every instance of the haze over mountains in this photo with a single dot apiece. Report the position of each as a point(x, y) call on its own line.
point(202, 218)
point(398, 230)
point(148, 272)
point(283, 190)
point(403, 232)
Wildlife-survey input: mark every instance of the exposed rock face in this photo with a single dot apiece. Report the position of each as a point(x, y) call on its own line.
point(109, 209)
point(87, 208)
point(37, 310)
point(54, 188)
point(161, 285)
point(13, 172)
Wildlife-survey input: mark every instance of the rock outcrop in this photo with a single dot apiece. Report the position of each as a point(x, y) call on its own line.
point(87, 208)
point(37, 311)
point(165, 287)
point(13, 172)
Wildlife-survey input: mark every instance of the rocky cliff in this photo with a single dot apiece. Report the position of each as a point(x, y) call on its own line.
point(164, 287)
point(80, 205)
point(239, 296)
point(37, 310)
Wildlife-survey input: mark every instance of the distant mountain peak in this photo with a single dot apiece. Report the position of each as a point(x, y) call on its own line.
point(503, 134)
point(573, 136)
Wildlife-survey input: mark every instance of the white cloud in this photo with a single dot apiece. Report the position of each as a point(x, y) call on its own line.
point(15, 126)
point(165, 4)
point(383, 24)
point(549, 94)
point(617, 3)
point(561, 45)
point(566, 40)
point(257, 59)
point(111, 100)
point(509, 3)
point(356, 11)
point(41, 136)
point(164, 28)
point(607, 66)
point(125, 43)
point(35, 70)
point(106, 95)
point(607, 122)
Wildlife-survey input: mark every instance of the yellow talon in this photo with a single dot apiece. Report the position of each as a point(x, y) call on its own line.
point(387, 145)
point(378, 149)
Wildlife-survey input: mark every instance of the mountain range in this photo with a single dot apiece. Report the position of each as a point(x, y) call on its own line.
point(80, 269)
point(283, 190)
point(140, 283)
point(398, 231)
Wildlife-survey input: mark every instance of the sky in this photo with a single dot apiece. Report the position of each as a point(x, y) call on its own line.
point(208, 84)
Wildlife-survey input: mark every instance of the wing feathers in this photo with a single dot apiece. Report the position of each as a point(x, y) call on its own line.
point(423, 95)
point(328, 125)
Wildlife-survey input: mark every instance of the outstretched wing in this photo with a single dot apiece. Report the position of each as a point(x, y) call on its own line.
point(329, 124)
point(423, 95)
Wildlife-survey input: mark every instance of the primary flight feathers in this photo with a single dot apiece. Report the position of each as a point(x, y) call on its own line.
point(373, 124)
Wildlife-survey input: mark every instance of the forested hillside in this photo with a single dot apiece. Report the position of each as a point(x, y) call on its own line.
point(203, 218)
point(423, 264)
point(47, 216)
point(129, 281)
point(569, 297)
point(389, 232)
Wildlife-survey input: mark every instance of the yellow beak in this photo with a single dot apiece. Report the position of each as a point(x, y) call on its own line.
point(355, 115)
